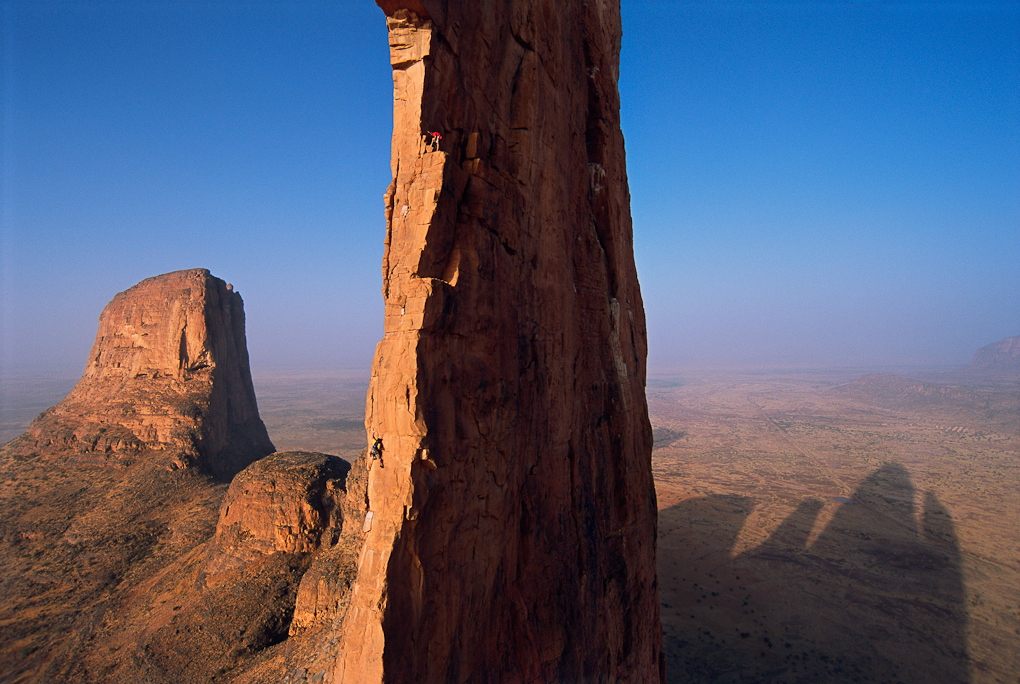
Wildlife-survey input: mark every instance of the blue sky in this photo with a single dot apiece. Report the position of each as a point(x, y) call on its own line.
point(813, 183)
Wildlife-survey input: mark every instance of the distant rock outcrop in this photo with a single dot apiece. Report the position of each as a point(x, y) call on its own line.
point(985, 392)
point(895, 391)
point(973, 388)
point(999, 361)
point(511, 522)
point(168, 373)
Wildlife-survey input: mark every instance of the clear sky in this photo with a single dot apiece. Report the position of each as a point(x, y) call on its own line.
point(813, 183)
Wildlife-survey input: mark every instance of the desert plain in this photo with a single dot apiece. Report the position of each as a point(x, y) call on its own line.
point(814, 526)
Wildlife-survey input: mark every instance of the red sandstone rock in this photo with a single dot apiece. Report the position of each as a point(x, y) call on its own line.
point(168, 373)
point(325, 588)
point(99, 498)
point(281, 503)
point(513, 515)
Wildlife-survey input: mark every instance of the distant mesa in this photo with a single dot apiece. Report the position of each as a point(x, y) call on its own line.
point(995, 364)
point(168, 375)
point(983, 391)
point(999, 361)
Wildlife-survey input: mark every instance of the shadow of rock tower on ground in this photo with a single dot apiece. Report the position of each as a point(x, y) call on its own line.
point(878, 596)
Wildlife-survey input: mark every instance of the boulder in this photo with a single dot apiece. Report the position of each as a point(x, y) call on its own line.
point(281, 503)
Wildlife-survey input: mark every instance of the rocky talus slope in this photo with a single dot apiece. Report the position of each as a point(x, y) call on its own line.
point(511, 535)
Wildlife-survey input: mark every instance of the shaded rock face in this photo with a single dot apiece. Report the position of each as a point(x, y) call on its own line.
point(168, 372)
point(513, 514)
point(325, 590)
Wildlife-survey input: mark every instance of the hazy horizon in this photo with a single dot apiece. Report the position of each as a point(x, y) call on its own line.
point(814, 185)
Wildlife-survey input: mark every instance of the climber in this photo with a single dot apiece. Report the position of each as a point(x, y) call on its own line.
point(377, 449)
point(433, 140)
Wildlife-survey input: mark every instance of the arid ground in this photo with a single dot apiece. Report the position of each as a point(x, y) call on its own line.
point(813, 527)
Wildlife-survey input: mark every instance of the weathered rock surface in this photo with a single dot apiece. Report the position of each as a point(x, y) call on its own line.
point(513, 515)
point(168, 373)
point(110, 492)
point(280, 504)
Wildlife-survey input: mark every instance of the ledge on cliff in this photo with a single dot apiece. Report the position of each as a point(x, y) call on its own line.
point(390, 7)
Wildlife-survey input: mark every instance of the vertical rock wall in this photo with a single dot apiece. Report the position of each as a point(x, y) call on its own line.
point(168, 372)
point(512, 515)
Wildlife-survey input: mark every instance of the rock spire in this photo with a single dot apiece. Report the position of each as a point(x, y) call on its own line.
point(167, 373)
point(511, 522)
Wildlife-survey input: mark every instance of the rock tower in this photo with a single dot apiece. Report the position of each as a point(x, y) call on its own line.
point(169, 374)
point(114, 491)
point(512, 517)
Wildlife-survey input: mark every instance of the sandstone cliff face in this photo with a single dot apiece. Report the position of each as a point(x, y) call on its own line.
point(107, 496)
point(169, 373)
point(513, 515)
point(280, 504)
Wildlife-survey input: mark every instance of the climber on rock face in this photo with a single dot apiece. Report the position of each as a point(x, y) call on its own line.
point(432, 141)
point(377, 449)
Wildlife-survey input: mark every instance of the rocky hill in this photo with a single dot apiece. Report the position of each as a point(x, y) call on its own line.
point(996, 362)
point(113, 484)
